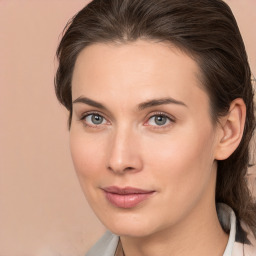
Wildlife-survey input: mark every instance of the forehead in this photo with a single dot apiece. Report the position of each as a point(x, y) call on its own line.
point(148, 68)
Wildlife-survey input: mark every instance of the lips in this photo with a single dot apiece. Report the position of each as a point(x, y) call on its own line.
point(127, 197)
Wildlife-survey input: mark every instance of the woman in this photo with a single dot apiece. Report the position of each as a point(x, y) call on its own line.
point(161, 115)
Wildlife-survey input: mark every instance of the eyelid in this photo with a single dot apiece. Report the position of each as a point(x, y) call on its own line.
point(152, 114)
point(170, 117)
point(85, 114)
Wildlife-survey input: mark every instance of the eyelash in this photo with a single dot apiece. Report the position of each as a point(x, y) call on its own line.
point(88, 114)
point(169, 117)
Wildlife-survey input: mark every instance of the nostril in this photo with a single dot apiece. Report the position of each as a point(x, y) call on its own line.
point(120, 170)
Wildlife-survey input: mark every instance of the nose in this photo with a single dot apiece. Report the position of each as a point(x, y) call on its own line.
point(124, 154)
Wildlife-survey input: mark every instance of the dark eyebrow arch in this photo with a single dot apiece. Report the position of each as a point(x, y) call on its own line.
point(89, 102)
point(158, 102)
point(141, 106)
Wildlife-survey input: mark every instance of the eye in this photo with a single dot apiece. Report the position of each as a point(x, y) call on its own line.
point(159, 120)
point(94, 119)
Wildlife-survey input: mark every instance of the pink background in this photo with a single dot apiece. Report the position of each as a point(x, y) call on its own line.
point(42, 209)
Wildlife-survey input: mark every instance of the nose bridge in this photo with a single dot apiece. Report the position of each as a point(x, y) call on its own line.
point(123, 152)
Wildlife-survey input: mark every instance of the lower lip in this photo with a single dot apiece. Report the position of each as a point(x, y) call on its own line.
point(128, 200)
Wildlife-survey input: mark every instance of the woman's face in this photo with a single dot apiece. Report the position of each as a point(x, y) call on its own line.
point(141, 138)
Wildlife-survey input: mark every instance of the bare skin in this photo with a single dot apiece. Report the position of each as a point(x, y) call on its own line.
point(188, 237)
point(141, 119)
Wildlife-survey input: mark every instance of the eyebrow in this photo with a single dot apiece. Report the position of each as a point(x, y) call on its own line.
point(141, 106)
point(90, 102)
point(158, 102)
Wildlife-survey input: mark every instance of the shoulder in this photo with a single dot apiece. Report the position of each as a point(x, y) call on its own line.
point(105, 246)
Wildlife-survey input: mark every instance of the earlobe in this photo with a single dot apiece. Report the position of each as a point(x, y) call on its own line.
point(231, 129)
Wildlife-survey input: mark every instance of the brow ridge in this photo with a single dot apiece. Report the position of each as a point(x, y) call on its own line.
point(141, 106)
point(89, 102)
point(158, 102)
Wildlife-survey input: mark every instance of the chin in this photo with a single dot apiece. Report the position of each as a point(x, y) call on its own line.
point(131, 231)
point(132, 226)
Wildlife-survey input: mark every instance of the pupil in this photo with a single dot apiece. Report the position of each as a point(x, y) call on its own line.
point(96, 119)
point(160, 120)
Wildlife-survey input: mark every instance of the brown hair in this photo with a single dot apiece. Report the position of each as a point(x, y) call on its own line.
point(204, 29)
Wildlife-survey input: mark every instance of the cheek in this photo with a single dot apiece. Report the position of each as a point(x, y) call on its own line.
point(86, 155)
point(183, 159)
point(181, 168)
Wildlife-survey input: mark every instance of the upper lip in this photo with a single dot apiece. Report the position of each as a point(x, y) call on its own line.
point(126, 190)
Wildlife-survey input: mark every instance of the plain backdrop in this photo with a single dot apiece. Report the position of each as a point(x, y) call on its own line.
point(42, 209)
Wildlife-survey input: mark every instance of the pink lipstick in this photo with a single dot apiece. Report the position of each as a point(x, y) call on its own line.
point(127, 197)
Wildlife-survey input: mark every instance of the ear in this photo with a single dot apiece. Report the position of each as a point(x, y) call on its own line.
point(231, 129)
